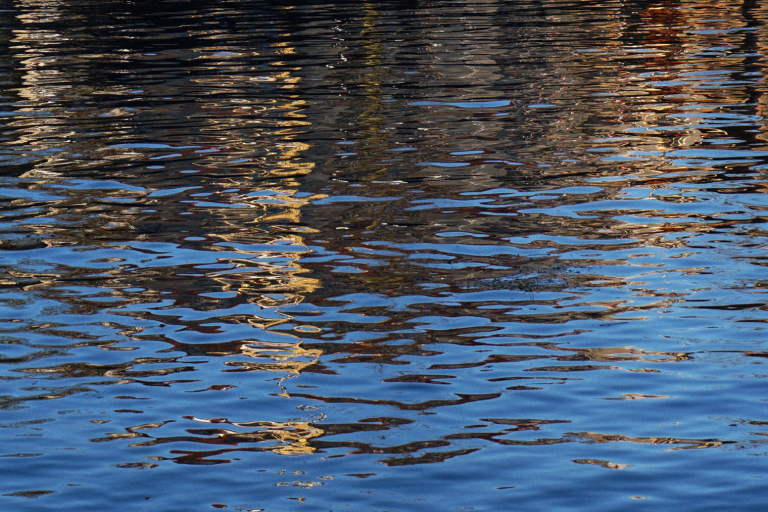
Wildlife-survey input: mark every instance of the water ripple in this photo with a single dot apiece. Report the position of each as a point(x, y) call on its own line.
point(336, 254)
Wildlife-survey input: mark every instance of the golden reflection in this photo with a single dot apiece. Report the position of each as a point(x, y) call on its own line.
point(373, 119)
point(225, 145)
point(279, 282)
point(285, 438)
point(280, 357)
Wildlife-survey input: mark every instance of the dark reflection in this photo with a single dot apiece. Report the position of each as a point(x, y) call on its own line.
point(428, 458)
point(602, 463)
point(430, 404)
point(386, 241)
point(29, 494)
point(687, 443)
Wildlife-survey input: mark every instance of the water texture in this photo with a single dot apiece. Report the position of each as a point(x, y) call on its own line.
point(383, 256)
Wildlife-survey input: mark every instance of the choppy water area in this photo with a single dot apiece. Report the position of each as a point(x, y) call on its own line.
point(440, 255)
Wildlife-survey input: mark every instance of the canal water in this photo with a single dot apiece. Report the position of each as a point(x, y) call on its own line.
point(383, 255)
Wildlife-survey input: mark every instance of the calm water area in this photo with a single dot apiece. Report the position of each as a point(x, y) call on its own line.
point(383, 255)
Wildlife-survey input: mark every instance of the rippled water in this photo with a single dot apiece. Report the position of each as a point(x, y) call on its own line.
point(441, 255)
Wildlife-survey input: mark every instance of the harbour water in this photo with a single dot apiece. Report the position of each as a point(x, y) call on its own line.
point(383, 255)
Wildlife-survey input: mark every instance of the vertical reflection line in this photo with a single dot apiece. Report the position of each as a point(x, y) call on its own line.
point(36, 49)
point(372, 119)
point(755, 49)
point(291, 285)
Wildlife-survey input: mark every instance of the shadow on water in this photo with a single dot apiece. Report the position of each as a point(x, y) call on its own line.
point(382, 255)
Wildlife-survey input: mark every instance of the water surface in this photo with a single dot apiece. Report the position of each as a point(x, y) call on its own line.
point(383, 255)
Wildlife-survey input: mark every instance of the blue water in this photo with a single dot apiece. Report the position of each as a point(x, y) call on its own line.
point(383, 256)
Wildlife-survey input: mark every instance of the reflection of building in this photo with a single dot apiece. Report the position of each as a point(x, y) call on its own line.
point(149, 160)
